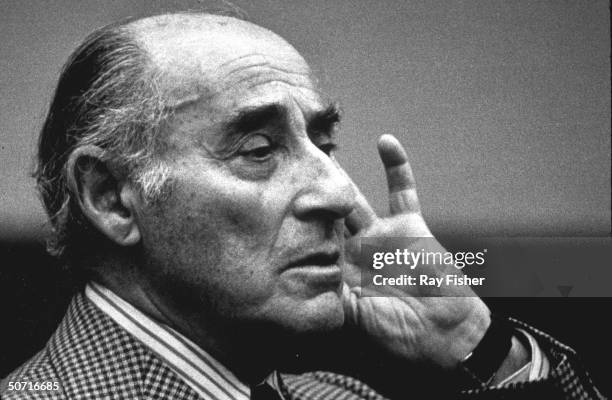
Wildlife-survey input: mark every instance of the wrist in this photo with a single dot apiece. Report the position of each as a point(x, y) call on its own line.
point(467, 335)
point(497, 352)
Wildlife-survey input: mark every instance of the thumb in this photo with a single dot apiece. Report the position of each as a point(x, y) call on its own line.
point(349, 299)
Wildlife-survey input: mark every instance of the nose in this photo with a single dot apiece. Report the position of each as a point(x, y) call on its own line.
point(327, 192)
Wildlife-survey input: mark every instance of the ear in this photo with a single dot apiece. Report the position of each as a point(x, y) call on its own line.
point(107, 200)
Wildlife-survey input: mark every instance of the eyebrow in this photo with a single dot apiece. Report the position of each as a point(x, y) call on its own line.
point(323, 121)
point(253, 118)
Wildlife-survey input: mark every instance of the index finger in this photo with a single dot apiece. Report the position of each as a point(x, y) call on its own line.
point(400, 179)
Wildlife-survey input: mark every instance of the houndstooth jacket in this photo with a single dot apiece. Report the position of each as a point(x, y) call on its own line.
point(91, 357)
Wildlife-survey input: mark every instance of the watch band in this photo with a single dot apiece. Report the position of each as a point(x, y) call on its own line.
point(484, 361)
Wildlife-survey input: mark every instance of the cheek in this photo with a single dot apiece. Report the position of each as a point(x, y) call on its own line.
point(223, 240)
point(232, 224)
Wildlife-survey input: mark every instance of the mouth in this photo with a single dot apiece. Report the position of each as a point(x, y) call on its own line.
point(319, 267)
point(321, 259)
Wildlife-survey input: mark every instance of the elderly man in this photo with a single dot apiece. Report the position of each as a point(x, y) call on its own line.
point(187, 165)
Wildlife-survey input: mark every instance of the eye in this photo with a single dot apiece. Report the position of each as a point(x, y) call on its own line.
point(328, 148)
point(257, 148)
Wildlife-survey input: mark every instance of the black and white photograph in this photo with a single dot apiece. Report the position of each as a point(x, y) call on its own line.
point(313, 200)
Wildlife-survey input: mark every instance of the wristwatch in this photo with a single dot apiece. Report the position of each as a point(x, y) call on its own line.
point(484, 361)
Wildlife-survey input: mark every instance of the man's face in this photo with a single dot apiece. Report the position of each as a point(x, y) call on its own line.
point(252, 229)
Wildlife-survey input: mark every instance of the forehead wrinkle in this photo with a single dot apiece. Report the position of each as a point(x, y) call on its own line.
point(279, 80)
point(180, 93)
point(270, 75)
point(262, 59)
point(268, 66)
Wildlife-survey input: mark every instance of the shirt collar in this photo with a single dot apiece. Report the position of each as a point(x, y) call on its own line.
point(198, 369)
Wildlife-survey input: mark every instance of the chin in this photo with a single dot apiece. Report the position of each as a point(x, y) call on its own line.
point(322, 313)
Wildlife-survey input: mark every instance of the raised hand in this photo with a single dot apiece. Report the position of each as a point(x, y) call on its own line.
point(406, 322)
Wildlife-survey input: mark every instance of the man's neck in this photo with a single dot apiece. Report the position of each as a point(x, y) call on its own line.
point(248, 351)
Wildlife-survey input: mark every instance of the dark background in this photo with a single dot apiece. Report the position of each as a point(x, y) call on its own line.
point(35, 291)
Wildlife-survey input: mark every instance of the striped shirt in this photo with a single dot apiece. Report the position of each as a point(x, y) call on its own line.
point(205, 375)
point(537, 367)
